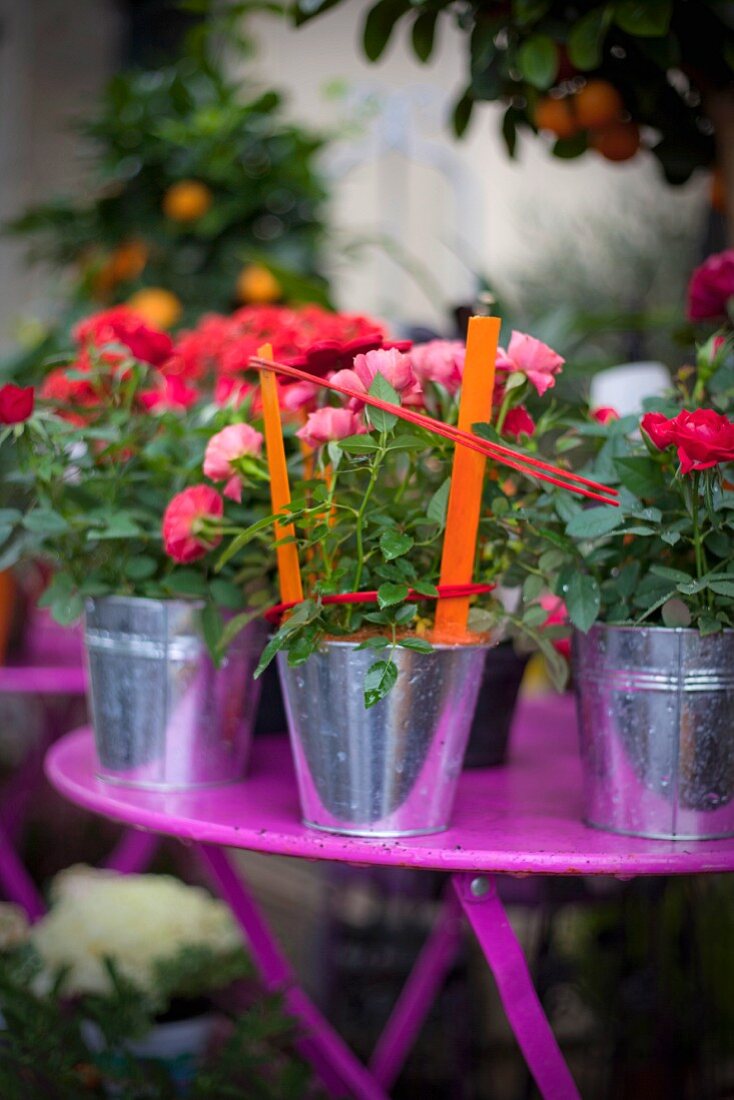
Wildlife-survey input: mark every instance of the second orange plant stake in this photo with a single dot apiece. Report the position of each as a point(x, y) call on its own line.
point(289, 572)
point(467, 478)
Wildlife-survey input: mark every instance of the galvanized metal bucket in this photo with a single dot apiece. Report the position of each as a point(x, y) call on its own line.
point(164, 716)
point(656, 722)
point(391, 770)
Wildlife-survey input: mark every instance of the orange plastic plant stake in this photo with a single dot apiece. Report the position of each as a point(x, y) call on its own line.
point(467, 477)
point(280, 494)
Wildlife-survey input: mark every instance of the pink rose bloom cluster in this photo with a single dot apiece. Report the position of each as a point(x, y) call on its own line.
point(225, 449)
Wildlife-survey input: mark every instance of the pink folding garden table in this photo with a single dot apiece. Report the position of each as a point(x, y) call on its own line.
point(522, 819)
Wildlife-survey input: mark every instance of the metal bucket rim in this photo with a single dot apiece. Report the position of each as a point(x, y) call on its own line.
point(151, 601)
point(624, 628)
point(334, 643)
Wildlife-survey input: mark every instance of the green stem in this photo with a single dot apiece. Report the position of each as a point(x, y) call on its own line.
point(697, 540)
point(504, 409)
point(374, 474)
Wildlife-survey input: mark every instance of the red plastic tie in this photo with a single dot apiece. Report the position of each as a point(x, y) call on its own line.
point(444, 591)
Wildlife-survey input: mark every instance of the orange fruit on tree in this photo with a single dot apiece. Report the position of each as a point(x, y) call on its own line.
point(187, 200)
point(617, 142)
point(156, 305)
point(557, 116)
point(257, 284)
point(717, 194)
point(597, 104)
point(128, 260)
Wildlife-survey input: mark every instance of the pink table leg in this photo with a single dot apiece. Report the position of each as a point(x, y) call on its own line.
point(484, 911)
point(342, 1073)
point(16, 882)
point(133, 852)
point(417, 996)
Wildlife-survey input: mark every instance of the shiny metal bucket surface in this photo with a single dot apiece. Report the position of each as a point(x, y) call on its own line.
point(656, 723)
point(391, 770)
point(164, 717)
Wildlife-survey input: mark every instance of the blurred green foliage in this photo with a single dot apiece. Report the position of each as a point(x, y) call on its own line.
point(252, 191)
point(664, 56)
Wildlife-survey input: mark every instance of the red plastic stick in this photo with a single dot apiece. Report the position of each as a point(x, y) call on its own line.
point(524, 464)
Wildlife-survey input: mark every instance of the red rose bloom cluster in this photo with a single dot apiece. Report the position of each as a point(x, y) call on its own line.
point(703, 438)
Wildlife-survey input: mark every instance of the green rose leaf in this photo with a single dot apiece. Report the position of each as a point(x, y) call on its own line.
point(640, 475)
point(380, 679)
point(593, 523)
point(420, 645)
point(438, 505)
point(583, 600)
point(389, 594)
point(394, 544)
point(379, 419)
point(140, 568)
point(44, 521)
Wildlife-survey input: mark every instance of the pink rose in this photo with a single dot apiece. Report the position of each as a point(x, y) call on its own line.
point(171, 394)
point(518, 422)
point(189, 523)
point(604, 415)
point(299, 395)
point(222, 452)
point(440, 361)
point(329, 424)
point(711, 287)
point(391, 364)
point(528, 356)
point(557, 616)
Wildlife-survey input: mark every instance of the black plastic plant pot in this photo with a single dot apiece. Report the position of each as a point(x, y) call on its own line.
point(490, 731)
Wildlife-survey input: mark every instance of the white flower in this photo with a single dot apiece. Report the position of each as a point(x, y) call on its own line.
point(134, 920)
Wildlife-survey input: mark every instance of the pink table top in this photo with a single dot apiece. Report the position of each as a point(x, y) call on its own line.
point(43, 679)
point(521, 819)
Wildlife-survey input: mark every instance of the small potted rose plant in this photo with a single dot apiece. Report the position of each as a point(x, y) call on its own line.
point(379, 706)
point(98, 452)
point(649, 587)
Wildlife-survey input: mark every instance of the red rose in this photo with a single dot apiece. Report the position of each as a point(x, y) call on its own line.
point(605, 414)
point(711, 287)
point(171, 394)
point(703, 438)
point(189, 523)
point(518, 422)
point(122, 325)
point(16, 403)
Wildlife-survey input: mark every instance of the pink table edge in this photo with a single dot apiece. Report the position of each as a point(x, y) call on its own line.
point(43, 680)
point(523, 818)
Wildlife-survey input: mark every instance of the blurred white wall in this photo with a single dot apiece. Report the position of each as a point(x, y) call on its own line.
point(490, 219)
point(54, 56)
